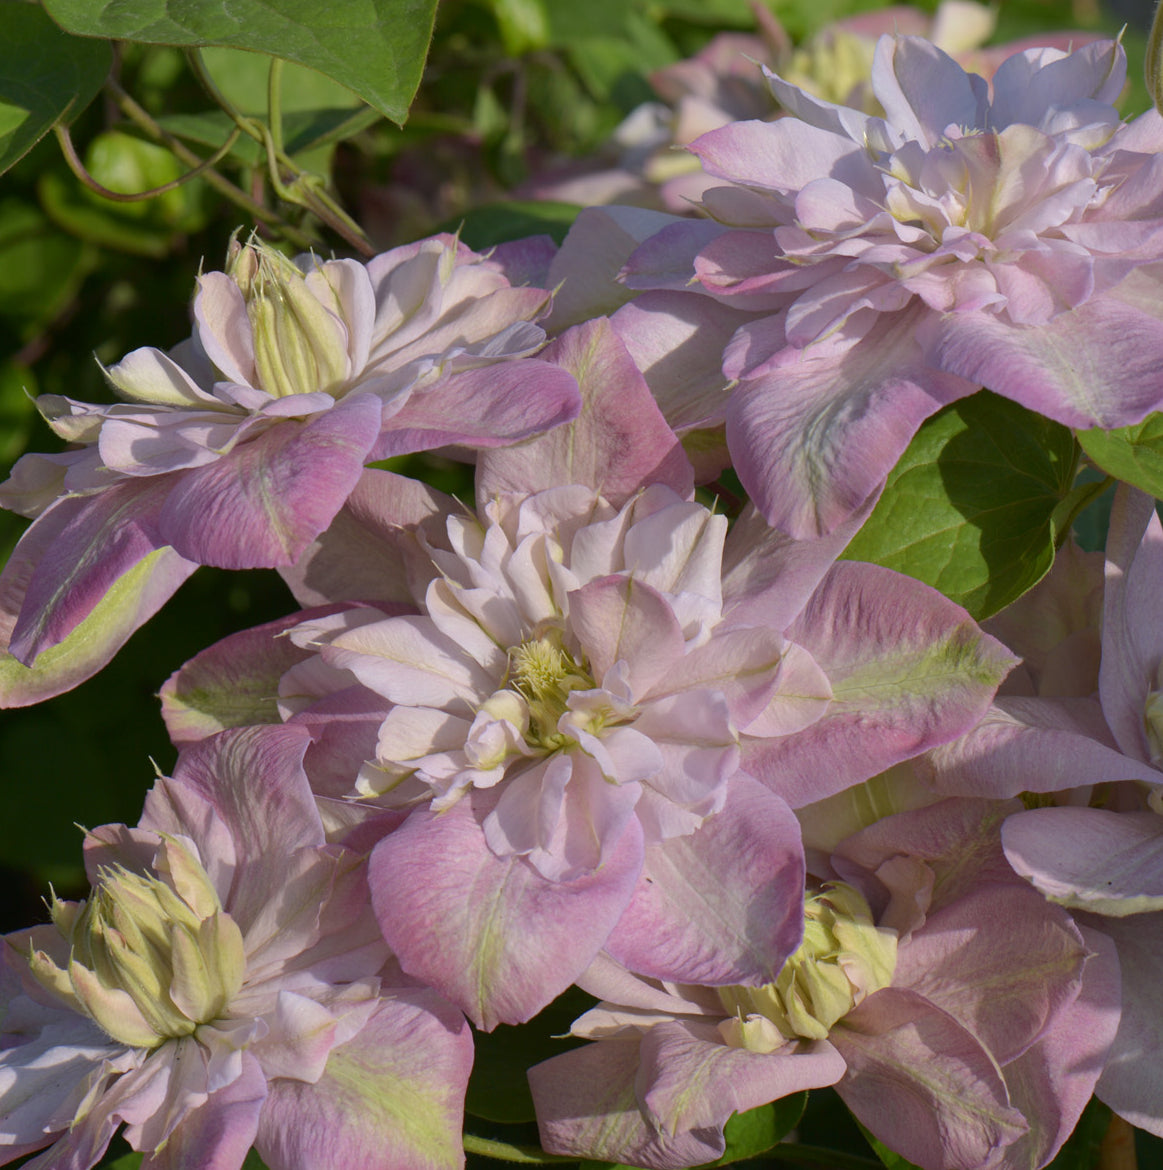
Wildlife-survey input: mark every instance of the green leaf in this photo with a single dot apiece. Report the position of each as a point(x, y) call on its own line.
point(1132, 454)
point(44, 75)
point(41, 268)
point(17, 412)
point(130, 1161)
point(719, 13)
point(892, 1161)
point(748, 1134)
point(524, 24)
point(613, 46)
point(242, 77)
point(970, 507)
point(498, 1089)
point(374, 47)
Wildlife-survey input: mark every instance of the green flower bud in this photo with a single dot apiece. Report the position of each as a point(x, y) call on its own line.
point(150, 959)
point(844, 957)
point(299, 345)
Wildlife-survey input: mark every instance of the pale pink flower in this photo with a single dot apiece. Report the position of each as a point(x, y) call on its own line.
point(224, 986)
point(239, 446)
point(570, 697)
point(882, 267)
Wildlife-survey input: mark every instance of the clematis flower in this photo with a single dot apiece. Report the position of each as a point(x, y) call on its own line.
point(238, 448)
point(962, 1018)
point(224, 985)
point(587, 702)
point(882, 267)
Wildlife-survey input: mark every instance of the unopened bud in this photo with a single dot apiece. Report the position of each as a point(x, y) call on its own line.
point(843, 958)
point(299, 345)
point(150, 959)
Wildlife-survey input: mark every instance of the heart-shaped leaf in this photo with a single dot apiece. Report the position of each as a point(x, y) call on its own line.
point(970, 506)
point(374, 47)
point(1132, 454)
point(44, 74)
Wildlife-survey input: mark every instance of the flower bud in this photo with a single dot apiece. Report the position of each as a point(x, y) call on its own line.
point(843, 958)
point(299, 345)
point(150, 958)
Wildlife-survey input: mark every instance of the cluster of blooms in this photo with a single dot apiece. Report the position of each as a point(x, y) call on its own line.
point(795, 820)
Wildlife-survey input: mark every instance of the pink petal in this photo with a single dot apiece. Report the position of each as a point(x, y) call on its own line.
point(619, 442)
point(490, 933)
point(1114, 864)
point(217, 1135)
point(922, 1084)
point(264, 502)
point(1132, 638)
point(814, 439)
point(1052, 1082)
point(677, 340)
point(366, 551)
point(234, 683)
point(1000, 960)
point(1034, 745)
point(73, 556)
point(923, 90)
point(597, 246)
point(620, 619)
point(908, 669)
point(492, 406)
point(724, 905)
point(391, 1098)
point(1097, 365)
point(1132, 1080)
point(692, 1081)
point(588, 1107)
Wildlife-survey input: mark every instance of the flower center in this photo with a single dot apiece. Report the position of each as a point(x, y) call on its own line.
point(545, 673)
point(844, 958)
point(150, 959)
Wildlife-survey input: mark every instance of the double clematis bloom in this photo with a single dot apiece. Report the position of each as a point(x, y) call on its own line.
point(238, 448)
point(223, 986)
point(882, 267)
point(963, 1019)
point(589, 705)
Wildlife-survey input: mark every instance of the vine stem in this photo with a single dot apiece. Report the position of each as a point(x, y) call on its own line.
point(137, 114)
point(65, 140)
point(506, 1152)
point(302, 189)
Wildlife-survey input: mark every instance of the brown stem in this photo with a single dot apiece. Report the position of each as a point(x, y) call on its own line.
point(1117, 1151)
